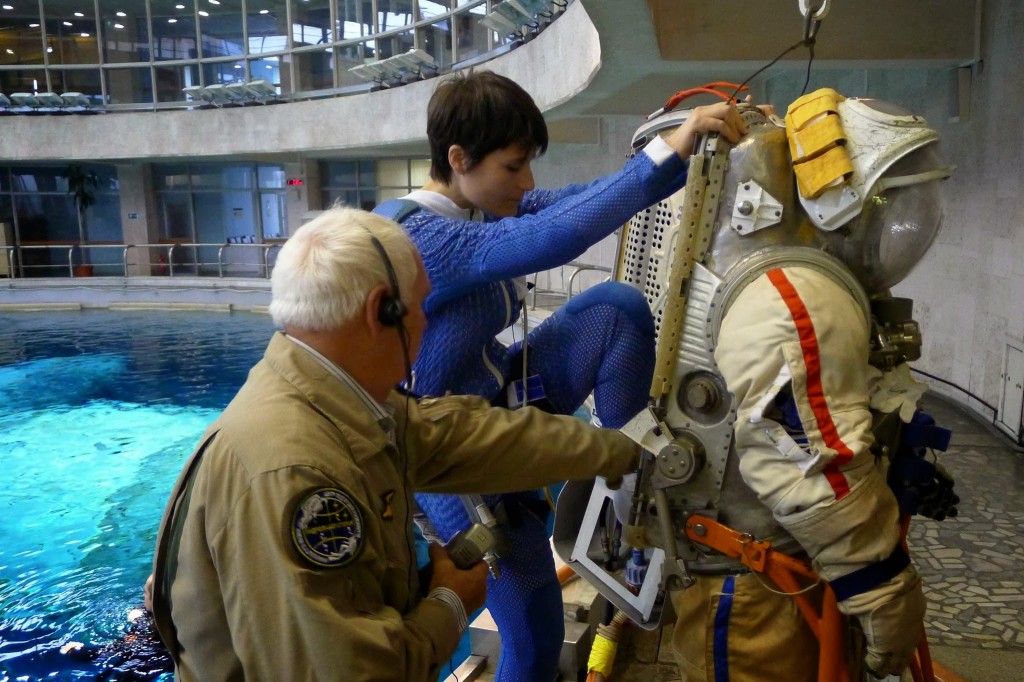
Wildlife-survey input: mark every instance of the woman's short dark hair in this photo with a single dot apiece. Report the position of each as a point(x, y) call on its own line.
point(480, 112)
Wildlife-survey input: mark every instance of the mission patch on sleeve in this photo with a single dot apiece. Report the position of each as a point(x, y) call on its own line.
point(327, 527)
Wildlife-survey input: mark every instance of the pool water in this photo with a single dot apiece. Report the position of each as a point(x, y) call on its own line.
point(98, 411)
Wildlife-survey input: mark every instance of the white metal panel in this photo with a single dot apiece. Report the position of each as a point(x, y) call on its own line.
point(1011, 402)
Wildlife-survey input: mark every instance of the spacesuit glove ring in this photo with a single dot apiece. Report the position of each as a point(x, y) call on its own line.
point(891, 616)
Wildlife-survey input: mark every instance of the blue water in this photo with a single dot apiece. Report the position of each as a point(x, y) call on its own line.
point(98, 411)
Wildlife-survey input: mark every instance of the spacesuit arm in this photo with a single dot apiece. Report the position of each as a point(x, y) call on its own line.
point(796, 329)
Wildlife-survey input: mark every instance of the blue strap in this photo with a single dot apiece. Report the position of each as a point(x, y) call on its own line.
point(397, 209)
point(721, 645)
point(871, 576)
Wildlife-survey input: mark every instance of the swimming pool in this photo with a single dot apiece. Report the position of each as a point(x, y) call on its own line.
point(98, 411)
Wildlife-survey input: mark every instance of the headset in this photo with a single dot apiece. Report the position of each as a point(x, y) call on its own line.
point(392, 309)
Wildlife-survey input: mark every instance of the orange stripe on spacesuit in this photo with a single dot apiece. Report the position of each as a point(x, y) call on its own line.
point(815, 392)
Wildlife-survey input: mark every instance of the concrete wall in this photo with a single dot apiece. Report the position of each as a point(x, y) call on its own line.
point(970, 287)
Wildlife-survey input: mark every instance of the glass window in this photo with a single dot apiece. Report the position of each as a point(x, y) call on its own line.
point(268, 69)
point(6, 218)
point(392, 14)
point(34, 179)
point(353, 22)
point(29, 80)
point(314, 70)
point(174, 29)
point(171, 80)
point(220, 176)
point(220, 28)
point(125, 86)
point(103, 222)
point(170, 176)
point(311, 22)
point(85, 81)
point(71, 39)
point(267, 23)
point(21, 37)
point(273, 211)
point(419, 172)
point(396, 44)
point(223, 72)
point(436, 40)
point(350, 56)
point(393, 173)
point(342, 173)
point(433, 8)
point(270, 176)
point(47, 218)
point(470, 35)
point(125, 32)
point(175, 216)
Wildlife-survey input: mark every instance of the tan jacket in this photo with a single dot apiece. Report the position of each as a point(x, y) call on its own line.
point(259, 592)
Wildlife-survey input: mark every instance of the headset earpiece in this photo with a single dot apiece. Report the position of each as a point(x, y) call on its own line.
point(391, 309)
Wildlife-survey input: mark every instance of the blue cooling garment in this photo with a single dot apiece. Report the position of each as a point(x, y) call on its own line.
point(601, 341)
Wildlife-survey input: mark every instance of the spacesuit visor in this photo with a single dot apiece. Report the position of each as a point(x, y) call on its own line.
point(900, 218)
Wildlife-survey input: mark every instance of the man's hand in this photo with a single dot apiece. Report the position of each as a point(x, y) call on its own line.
point(470, 585)
point(891, 616)
point(722, 118)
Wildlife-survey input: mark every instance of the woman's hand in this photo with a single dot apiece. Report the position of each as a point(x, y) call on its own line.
point(722, 118)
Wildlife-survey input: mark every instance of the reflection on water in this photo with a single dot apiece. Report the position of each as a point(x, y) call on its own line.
point(98, 410)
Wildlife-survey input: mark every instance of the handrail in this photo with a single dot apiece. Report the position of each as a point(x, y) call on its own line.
point(15, 256)
point(581, 267)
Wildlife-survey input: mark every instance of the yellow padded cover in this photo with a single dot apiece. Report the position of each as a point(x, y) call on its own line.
point(816, 175)
point(816, 140)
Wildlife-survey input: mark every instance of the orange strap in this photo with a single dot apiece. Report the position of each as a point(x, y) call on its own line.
point(786, 572)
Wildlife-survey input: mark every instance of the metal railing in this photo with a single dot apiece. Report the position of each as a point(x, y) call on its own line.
point(567, 294)
point(136, 260)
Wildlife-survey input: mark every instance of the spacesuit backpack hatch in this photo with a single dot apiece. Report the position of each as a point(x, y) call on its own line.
point(781, 394)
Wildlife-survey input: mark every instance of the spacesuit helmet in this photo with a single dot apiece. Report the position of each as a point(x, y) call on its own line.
point(900, 214)
point(857, 179)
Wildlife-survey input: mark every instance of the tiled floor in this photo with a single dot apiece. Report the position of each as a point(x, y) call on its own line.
point(972, 565)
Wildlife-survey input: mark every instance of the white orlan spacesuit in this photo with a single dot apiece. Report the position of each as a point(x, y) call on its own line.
point(769, 278)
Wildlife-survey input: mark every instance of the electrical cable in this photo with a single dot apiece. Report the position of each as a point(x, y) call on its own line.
point(766, 66)
point(811, 27)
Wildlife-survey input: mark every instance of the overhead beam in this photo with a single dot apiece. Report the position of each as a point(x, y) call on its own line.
point(854, 30)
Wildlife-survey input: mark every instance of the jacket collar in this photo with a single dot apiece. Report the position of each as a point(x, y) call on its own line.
point(333, 398)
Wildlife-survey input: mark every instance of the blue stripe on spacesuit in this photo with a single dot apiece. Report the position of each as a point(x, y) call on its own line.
point(721, 631)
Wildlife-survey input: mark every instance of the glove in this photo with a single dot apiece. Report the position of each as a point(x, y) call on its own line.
point(891, 616)
point(897, 390)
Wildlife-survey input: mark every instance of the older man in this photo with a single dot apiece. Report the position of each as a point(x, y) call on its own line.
point(286, 549)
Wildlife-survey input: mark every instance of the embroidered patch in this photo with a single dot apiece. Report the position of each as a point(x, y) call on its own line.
point(327, 528)
point(387, 510)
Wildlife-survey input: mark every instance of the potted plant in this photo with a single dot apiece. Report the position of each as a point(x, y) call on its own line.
point(82, 186)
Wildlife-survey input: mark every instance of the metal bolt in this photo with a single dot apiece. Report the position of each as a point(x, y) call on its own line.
point(700, 530)
point(745, 208)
